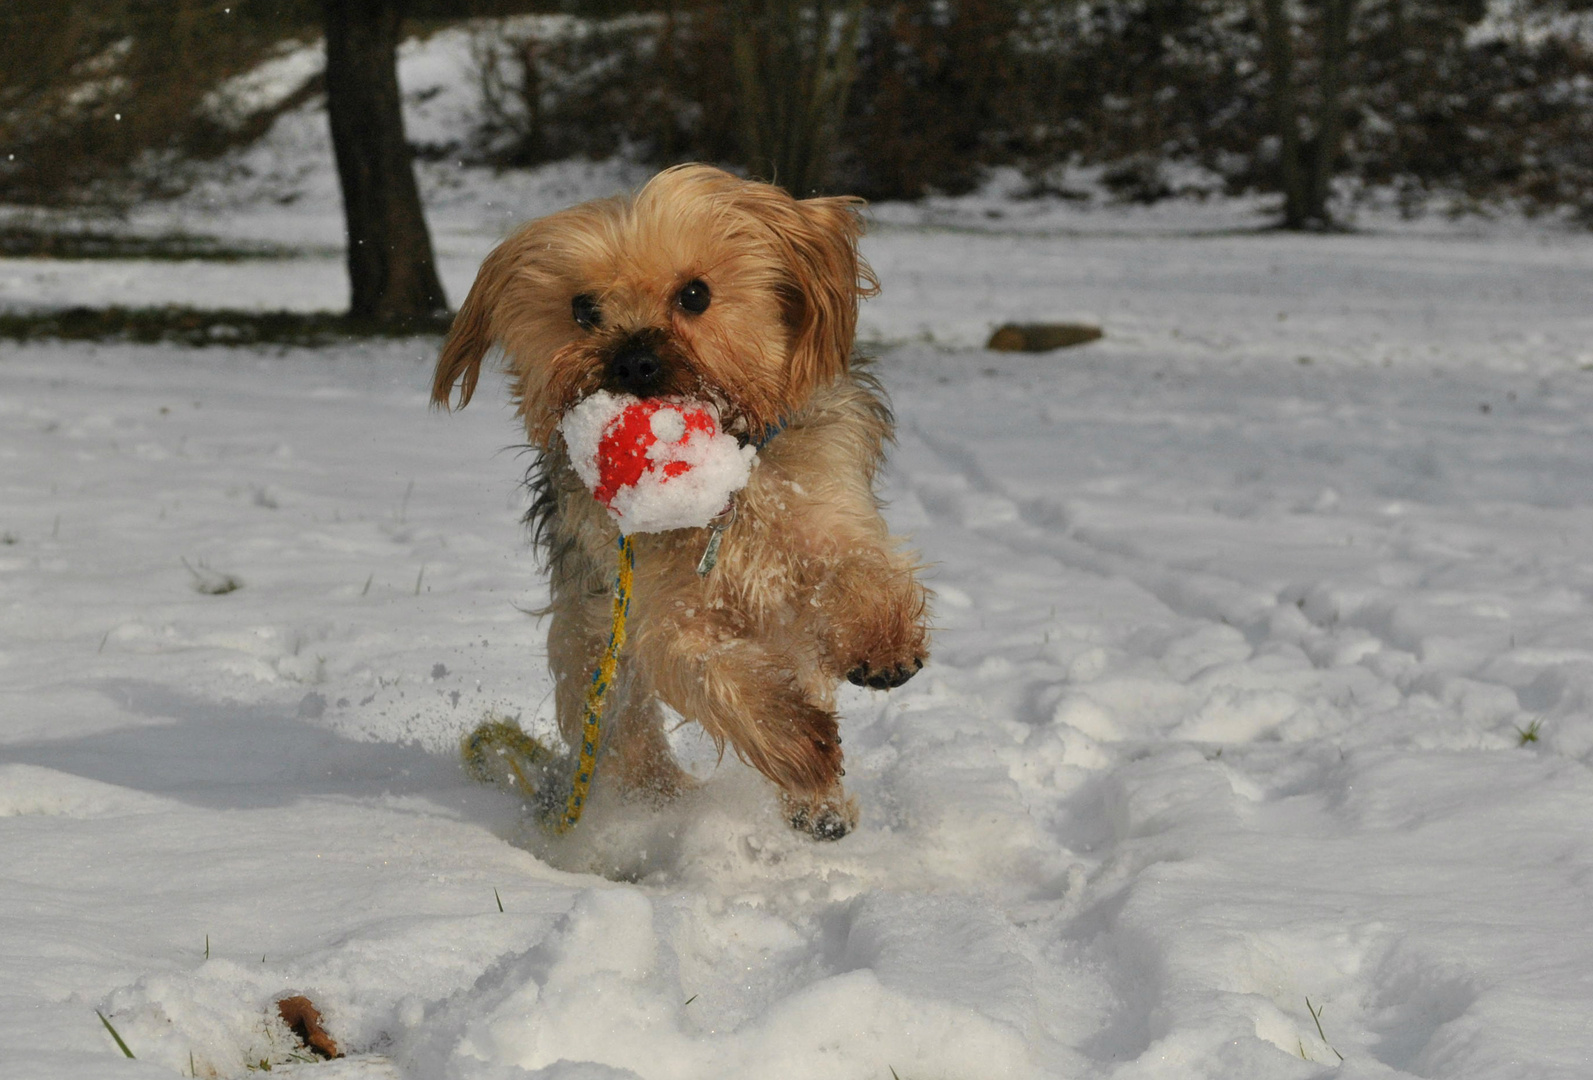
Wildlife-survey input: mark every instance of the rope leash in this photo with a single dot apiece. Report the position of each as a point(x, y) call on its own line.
point(597, 690)
point(603, 677)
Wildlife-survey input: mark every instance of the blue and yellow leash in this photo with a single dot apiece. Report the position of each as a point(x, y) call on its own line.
point(499, 752)
point(597, 690)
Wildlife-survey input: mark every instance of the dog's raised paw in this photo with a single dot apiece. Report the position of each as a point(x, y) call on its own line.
point(884, 678)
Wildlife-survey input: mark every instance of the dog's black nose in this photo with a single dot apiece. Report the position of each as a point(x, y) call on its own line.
point(636, 369)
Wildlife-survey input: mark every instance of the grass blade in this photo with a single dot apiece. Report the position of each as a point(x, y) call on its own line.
point(114, 1035)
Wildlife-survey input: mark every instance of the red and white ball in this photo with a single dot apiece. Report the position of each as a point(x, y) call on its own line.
point(655, 464)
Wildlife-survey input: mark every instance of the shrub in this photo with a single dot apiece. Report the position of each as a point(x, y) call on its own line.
point(889, 102)
point(940, 96)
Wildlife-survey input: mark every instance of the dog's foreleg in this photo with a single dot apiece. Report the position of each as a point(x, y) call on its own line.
point(875, 612)
point(577, 635)
point(744, 694)
point(638, 749)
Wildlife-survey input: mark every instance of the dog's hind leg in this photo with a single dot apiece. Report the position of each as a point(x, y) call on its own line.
point(636, 749)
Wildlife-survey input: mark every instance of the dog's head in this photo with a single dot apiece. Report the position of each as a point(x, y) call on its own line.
point(701, 285)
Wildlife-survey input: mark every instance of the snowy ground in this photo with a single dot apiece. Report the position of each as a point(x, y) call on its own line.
point(1225, 710)
point(1243, 612)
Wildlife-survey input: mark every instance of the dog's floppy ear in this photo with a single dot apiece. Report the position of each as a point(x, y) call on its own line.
point(472, 335)
point(828, 277)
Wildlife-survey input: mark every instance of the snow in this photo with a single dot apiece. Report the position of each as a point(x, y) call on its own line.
point(266, 86)
point(1233, 660)
point(1245, 613)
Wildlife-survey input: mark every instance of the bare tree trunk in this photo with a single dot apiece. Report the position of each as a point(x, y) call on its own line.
point(1336, 16)
point(391, 272)
point(1279, 40)
point(666, 86)
point(534, 144)
point(1307, 185)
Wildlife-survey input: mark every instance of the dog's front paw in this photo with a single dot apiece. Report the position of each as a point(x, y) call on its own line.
point(829, 818)
point(886, 677)
point(888, 656)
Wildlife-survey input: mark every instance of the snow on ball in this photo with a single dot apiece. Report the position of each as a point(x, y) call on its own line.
point(655, 463)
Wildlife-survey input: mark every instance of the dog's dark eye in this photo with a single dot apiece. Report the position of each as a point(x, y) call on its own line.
point(586, 312)
point(694, 297)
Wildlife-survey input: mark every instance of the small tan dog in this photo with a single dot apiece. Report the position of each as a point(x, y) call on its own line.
point(708, 287)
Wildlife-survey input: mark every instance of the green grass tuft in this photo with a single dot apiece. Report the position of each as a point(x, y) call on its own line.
point(212, 582)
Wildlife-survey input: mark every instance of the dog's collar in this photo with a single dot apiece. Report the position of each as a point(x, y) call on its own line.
point(769, 432)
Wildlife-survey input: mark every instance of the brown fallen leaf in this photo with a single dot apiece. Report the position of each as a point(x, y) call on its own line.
point(305, 1020)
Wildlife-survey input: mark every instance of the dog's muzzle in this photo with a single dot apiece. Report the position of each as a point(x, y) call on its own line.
point(635, 368)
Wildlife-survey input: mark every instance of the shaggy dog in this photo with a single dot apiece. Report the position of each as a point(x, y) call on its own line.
point(704, 286)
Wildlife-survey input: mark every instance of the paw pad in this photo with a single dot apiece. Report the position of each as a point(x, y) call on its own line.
point(884, 678)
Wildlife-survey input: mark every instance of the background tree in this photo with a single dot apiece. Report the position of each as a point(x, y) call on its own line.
point(1479, 103)
point(1310, 139)
point(939, 97)
point(1139, 90)
point(392, 274)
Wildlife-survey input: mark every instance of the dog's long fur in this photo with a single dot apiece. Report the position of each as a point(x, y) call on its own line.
point(809, 587)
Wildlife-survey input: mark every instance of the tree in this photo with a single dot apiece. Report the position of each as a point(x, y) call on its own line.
point(1307, 160)
point(392, 275)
